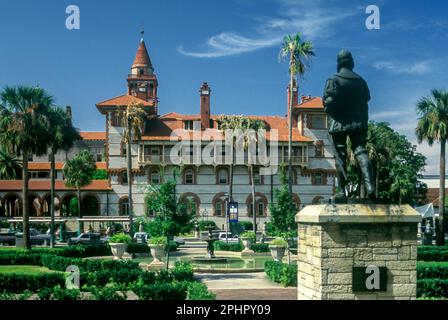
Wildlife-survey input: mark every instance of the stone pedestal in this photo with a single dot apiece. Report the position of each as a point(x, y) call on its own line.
point(335, 239)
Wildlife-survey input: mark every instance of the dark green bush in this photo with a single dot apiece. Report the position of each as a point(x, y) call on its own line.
point(427, 269)
point(203, 225)
point(183, 271)
point(76, 251)
point(109, 292)
point(63, 294)
point(20, 259)
point(17, 283)
point(247, 225)
point(432, 253)
point(199, 291)
point(137, 248)
point(260, 247)
point(282, 273)
point(45, 293)
point(432, 288)
point(224, 246)
point(161, 291)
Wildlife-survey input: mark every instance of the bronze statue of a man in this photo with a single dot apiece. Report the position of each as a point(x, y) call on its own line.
point(345, 100)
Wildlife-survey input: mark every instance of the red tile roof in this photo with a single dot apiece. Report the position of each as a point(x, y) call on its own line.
point(161, 128)
point(313, 103)
point(124, 100)
point(93, 136)
point(142, 56)
point(59, 165)
point(44, 185)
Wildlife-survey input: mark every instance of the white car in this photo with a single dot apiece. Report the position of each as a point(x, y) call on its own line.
point(228, 237)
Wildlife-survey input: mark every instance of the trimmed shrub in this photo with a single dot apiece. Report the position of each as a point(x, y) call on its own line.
point(432, 270)
point(432, 288)
point(20, 259)
point(138, 248)
point(247, 225)
point(109, 292)
point(161, 291)
point(75, 251)
point(63, 294)
point(17, 283)
point(432, 253)
point(203, 225)
point(282, 273)
point(260, 247)
point(199, 291)
point(120, 238)
point(183, 271)
point(224, 246)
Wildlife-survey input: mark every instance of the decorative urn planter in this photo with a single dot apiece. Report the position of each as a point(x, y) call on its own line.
point(247, 243)
point(157, 252)
point(277, 252)
point(118, 249)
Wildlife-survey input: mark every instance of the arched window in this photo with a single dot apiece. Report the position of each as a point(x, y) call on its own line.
point(261, 204)
point(190, 203)
point(223, 176)
point(189, 177)
point(123, 206)
point(123, 177)
point(220, 208)
point(155, 177)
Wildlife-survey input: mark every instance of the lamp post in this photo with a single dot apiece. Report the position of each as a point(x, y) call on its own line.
point(227, 216)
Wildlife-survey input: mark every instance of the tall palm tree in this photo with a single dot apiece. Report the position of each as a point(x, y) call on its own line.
point(9, 165)
point(255, 125)
point(23, 130)
point(433, 126)
point(133, 119)
point(299, 53)
point(78, 173)
point(62, 135)
point(230, 123)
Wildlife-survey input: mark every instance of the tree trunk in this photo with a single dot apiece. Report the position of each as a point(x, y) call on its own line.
point(230, 181)
point(440, 236)
point(25, 200)
point(52, 194)
point(291, 99)
point(377, 179)
point(254, 211)
point(80, 224)
point(129, 173)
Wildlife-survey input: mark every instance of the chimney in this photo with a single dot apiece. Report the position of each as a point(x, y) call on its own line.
point(68, 110)
point(205, 105)
point(295, 102)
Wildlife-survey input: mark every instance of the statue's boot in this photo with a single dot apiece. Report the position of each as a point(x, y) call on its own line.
point(367, 172)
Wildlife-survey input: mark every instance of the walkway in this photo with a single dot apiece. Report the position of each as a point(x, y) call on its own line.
point(246, 286)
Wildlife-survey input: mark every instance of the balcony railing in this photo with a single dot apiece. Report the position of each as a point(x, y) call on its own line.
point(187, 159)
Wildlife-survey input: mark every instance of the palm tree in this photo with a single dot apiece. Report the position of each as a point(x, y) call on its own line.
point(62, 136)
point(230, 124)
point(78, 173)
point(133, 119)
point(23, 130)
point(255, 125)
point(299, 53)
point(9, 165)
point(433, 126)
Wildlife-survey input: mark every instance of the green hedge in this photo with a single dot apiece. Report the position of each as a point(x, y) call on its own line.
point(203, 225)
point(224, 246)
point(161, 291)
point(282, 273)
point(17, 283)
point(432, 253)
point(199, 291)
point(75, 251)
point(432, 288)
point(138, 248)
point(434, 269)
point(20, 259)
point(260, 247)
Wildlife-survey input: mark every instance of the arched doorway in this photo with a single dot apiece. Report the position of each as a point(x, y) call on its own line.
point(261, 205)
point(69, 205)
point(12, 205)
point(90, 205)
point(123, 206)
point(46, 206)
point(190, 203)
point(34, 205)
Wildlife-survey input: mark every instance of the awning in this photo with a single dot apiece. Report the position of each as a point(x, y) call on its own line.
point(426, 211)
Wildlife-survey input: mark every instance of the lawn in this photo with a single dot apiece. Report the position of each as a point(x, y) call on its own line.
point(24, 269)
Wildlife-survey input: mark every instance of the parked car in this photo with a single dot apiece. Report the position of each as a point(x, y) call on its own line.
point(228, 237)
point(36, 237)
point(87, 238)
point(179, 241)
point(141, 237)
point(7, 239)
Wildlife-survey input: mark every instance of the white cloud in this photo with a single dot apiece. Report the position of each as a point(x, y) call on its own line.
point(421, 67)
point(313, 22)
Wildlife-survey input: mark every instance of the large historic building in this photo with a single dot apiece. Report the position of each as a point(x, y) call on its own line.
point(168, 149)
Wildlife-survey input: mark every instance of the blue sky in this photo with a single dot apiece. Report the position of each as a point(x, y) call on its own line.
point(233, 45)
